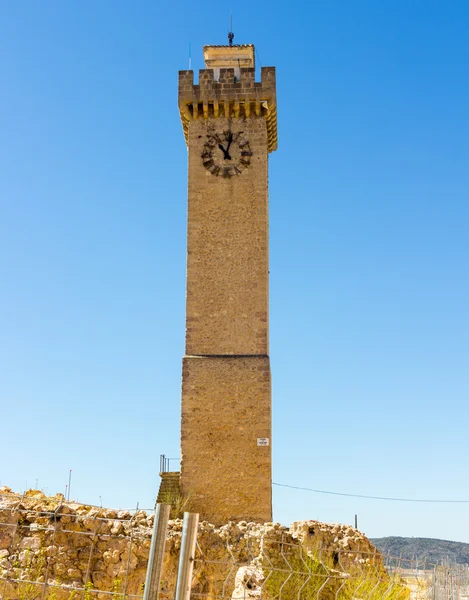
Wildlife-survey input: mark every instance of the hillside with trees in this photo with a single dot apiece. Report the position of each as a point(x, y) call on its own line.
point(432, 550)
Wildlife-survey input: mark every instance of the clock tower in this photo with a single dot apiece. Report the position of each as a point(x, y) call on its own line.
point(230, 126)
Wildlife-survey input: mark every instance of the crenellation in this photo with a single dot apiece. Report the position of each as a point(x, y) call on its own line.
point(228, 96)
point(227, 75)
point(227, 80)
point(268, 77)
point(206, 80)
point(247, 76)
point(186, 78)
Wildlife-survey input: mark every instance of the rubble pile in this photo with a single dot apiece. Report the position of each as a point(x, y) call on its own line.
point(72, 546)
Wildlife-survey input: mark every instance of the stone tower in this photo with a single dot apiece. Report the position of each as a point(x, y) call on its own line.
point(230, 126)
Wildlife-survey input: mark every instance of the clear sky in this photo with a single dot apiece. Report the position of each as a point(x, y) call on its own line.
point(369, 250)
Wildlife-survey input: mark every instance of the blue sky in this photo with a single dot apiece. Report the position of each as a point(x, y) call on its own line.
point(369, 250)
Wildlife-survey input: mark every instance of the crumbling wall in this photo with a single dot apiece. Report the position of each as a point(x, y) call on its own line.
point(67, 544)
point(59, 550)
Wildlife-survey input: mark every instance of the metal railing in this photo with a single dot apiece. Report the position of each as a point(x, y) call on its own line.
point(165, 463)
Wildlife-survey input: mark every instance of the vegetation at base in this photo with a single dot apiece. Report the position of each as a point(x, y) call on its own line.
point(179, 504)
point(307, 578)
point(432, 550)
point(33, 591)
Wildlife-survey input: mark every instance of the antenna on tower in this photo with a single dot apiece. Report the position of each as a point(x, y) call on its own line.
point(230, 33)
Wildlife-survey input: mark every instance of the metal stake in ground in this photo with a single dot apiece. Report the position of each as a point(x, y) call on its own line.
point(155, 560)
point(186, 558)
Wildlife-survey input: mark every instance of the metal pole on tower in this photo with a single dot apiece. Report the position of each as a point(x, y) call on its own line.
point(230, 33)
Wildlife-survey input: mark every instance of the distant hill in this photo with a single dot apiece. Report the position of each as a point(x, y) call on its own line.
point(433, 551)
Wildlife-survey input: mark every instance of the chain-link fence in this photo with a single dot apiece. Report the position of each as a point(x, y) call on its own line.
point(280, 568)
point(428, 581)
point(56, 550)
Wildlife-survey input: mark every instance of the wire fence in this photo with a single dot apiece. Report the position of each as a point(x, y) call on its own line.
point(428, 581)
point(282, 569)
point(56, 550)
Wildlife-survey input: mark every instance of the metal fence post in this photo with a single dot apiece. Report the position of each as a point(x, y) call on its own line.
point(186, 558)
point(155, 560)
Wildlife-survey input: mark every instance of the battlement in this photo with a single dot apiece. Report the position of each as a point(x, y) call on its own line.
point(229, 96)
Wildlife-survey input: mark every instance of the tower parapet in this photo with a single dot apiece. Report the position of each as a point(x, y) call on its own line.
point(235, 93)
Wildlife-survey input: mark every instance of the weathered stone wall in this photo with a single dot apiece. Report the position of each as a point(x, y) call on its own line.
point(86, 551)
point(70, 544)
point(226, 390)
point(227, 246)
point(225, 409)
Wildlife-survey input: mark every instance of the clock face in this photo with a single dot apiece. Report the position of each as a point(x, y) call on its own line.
point(226, 154)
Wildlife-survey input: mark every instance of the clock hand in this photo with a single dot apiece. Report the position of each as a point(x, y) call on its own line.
point(230, 139)
point(226, 156)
